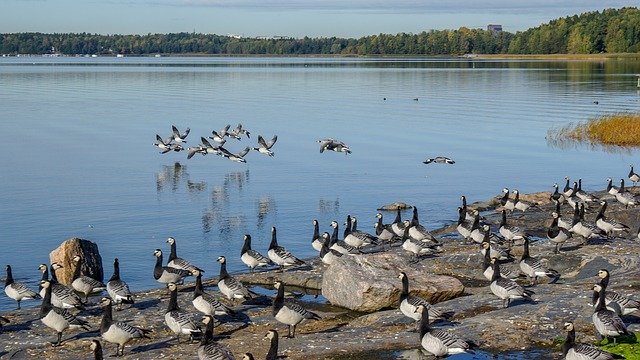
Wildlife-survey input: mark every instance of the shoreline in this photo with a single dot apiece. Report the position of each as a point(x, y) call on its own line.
point(520, 327)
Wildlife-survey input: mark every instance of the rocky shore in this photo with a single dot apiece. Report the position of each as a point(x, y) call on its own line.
point(478, 314)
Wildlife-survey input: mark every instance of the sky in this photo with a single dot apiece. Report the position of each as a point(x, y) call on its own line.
point(294, 18)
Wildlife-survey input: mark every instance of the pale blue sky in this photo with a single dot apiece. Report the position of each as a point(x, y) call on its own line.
point(297, 18)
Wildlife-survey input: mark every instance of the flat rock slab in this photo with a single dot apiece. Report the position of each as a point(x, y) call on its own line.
point(369, 282)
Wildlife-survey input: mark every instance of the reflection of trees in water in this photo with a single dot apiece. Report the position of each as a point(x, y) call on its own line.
point(265, 205)
point(171, 175)
point(329, 206)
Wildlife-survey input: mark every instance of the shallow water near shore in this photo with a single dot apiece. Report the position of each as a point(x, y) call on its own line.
point(78, 157)
point(419, 354)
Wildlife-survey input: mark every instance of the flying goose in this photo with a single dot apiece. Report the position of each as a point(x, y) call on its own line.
point(117, 289)
point(384, 231)
point(272, 335)
point(192, 150)
point(533, 268)
point(205, 302)
point(581, 351)
point(57, 318)
point(178, 320)
point(328, 255)
point(85, 284)
point(209, 349)
point(279, 255)
point(18, 291)
point(290, 314)
point(174, 261)
point(633, 177)
point(62, 296)
point(316, 239)
point(416, 247)
point(233, 134)
point(241, 130)
point(251, 257)
point(625, 197)
point(556, 234)
point(229, 286)
point(96, 349)
point(265, 147)
point(506, 289)
point(608, 225)
point(506, 202)
point(210, 149)
point(333, 145)
point(341, 245)
point(355, 237)
point(439, 160)
point(164, 145)
point(239, 157)
point(607, 322)
point(118, 332)
point(521, 204)
point(626, 305)
point(409, 303)
point(419, 232)
point(488, 269)
point(179, 137)
point(166, 274)
point(439, 342)
point(509, 232)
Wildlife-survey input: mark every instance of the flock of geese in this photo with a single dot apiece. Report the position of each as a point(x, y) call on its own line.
point(177, 139)
point(61, 303)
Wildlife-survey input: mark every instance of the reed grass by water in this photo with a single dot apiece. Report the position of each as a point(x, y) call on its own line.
point(609, 130)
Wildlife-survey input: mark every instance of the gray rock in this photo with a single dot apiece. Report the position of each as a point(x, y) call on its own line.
point(91, 260)
point(370, 282)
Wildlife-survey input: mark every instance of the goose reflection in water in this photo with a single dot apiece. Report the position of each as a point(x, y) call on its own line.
point(236, 179)
point(265, 206)
point(196, 187)
point(171, 175)
point(329, 206)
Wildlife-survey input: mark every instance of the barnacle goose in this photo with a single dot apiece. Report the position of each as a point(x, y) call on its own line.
point(625, 197)
point(316, 239)
point(209, 349)
point(556, 196)
point(179, 137)
point(633, 176)
point(229, 286)
point(118, 332)
point(178, 320)
point(416, 247)
point(18, 291)
point(341, 245)
point(521, 204)
point(608, 225)
point(205, 302)
point(279, 255)
point(556, 234)
point(568, 190)
point(583, 195)
point(510, 233)
point(506, 289)
point(507, 203)
point(409, 303)
point(477, 232)
point(328, 255)
point(62, 296)
point(465, 226)
point(533, 268)
point(57, 318)
point(290, 314)
point(627, 305)
point(419, 232)
point(488, 269)
point(561, 222)
point(584, 229)
point(264, 146)
point(611, 189)
point(166, 274)
point(494, 250)
point(355, 237)
point(85, 284)
point(439, 342)
point(96, 349)
point(272, 335)
point(383, 231)
point(607, 322)
point(468, 212)
point(251, 257)
point(581, 351)
point(117, 289)
point(397, 226)
point(174, 261)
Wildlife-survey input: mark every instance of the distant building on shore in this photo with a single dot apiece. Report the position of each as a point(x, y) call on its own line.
point(494, 28)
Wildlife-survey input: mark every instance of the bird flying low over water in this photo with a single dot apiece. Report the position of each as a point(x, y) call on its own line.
point(265, 147)
point(239, 157)
point(439, 160)
point(333, 145)
point(179, 137)
point(166, 145)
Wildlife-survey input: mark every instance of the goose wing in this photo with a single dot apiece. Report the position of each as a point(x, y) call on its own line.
point(214, 351)
point(450, 340)
point(183, 319)
point(592, 352)
point(258, 257)
point(21, 290)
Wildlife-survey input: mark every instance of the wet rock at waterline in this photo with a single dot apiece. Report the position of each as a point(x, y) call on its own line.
point(91, 260)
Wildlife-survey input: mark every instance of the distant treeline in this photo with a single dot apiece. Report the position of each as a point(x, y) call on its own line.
point(612, 30)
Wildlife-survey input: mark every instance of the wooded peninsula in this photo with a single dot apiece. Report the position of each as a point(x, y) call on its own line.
point(606, 31)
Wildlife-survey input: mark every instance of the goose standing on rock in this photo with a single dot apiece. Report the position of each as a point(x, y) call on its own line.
point(568, 190)
point(506, 289)
point(316, 239)
point(96, 349)
point(56, 318)
point(251, 257)
point(439, 342)
point(633, 176)
point(409, 303)
point(207, 303)
point(290, 314)
point(18, 291)
point(85, 284)
point(510, 233)
point(583, 195)
point(607, 323)
point(581, 351)
point(118, 332)
point(625, 197)
point(229, 286)
point(469, 213)
point(178, 320)
point(494, 250)
point(609, 226)
point(419, 232)
point(272, 335)
point(279, 255)
point(521, 204)
point(533, 268)
point(209, 349)
point(166, 274)
point(626, 305)
point(341, 245)
point(416, 247)
point(507, 204)
point(556, 234)
point(384, 231)
point(328, 255)
point(355, 237)
point(464, 227)
point(174, 261)
point(611, 189)
point(117, 289)
point(488, 269)
point(398, 225)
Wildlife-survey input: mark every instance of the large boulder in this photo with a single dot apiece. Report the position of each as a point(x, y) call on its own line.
point(91, 260)
point(370, 282)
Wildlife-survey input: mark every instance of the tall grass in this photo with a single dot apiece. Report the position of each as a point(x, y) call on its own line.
point(617, 130)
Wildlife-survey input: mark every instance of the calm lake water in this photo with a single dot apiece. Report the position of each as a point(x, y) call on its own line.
point(77, 155)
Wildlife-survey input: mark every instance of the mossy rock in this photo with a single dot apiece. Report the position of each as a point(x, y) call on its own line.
point(627, 346)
